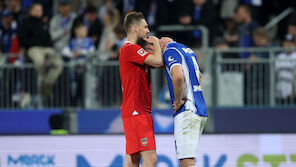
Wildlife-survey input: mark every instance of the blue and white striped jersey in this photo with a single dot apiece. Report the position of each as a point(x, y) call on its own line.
point(85, 45)
point(178, 54)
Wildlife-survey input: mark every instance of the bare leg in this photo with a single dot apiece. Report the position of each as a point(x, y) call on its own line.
point(149, 158)
point(132, 160)
point(187, 162)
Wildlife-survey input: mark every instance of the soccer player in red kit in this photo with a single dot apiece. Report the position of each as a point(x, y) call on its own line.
point(134, 67)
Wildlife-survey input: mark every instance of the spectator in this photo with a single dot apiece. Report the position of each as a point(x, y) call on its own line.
point(35, 39)
point(261, 40)
point(195, 12)
point(120, 40)
point(151, 14)
point(81, 46)
point(16, 7)
point(94, 25)
point(8, 29)
point(21, 93)
point(256, 73)
point(107, 51)
point(108, 4)
point(107, 41)
point(246, 26)
point(230, 27)
point(285, 66)
point(2, 5)
point(204, 14)
point(292, 25)
point(46, 4)
point(220, 44)
point(256, 8)
point(8, 38)
point(78, 50)
point(86, 3)
point(61, 24)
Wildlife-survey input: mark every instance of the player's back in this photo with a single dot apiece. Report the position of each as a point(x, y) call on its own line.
point(177, 53)
point(135, 80)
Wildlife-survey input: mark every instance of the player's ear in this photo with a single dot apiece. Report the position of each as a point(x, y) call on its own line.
point(135, 28)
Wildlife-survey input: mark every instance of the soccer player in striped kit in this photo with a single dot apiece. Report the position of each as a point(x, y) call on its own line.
point(190, 112)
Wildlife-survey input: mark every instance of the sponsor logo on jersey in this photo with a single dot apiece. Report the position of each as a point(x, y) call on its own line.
point(142, 52)
point(187, 50)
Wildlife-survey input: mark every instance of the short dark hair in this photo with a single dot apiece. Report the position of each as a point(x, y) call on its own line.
point(260, 32)
point(141, 42)
point(91, 9)
point(245, 6)
point(131, 19)
point(79, 25)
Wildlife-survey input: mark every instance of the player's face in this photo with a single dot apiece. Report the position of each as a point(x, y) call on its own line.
point(143, 29)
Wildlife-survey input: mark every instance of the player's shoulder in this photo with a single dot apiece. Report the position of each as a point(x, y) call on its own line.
point(171, 51)
point(127, 47)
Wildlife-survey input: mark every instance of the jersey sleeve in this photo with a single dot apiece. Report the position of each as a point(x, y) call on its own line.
point(136, 54)
point(171, 58)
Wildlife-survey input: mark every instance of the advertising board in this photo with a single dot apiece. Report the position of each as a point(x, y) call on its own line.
point(260, 150)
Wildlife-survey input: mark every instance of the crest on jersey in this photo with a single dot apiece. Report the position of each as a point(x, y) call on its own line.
point(144, 142)
point(171, 58)
point(142, 52)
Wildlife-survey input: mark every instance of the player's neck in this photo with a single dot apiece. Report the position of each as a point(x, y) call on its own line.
point(132, 38)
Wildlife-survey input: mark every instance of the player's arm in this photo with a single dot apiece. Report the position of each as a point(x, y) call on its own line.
point(178, 84)
point(154, 59)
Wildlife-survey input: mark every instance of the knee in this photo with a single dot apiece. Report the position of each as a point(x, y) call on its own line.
point(152, 159)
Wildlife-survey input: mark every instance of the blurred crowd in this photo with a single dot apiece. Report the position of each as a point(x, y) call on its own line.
point(38, 32)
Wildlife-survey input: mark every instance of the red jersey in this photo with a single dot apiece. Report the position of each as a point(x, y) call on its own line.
point(135, 80)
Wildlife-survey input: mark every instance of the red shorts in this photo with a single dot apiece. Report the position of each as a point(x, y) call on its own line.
point(139, 133)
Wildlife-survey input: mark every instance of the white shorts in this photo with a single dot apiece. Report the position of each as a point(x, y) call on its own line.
point(188, 129)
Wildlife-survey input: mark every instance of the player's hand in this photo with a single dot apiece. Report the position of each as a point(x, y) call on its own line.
point(177, 105)
point(152, 39)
